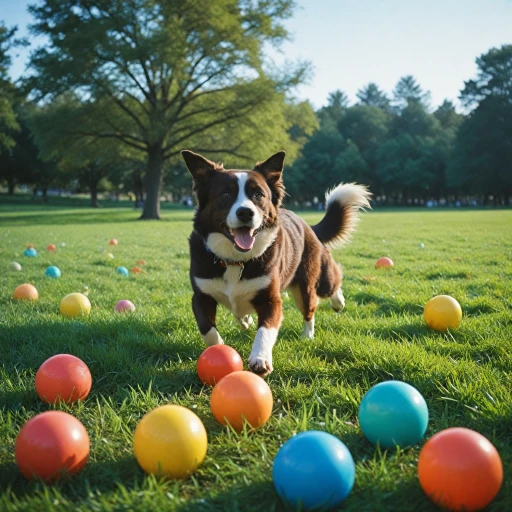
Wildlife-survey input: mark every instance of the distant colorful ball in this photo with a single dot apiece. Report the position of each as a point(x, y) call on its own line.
point(30, 246)
point(14, 266)
point(459, 469)
point(442, 312)
point(26, 292)
point(123, 271)
point(136, 270)
point(170, 441)
point(141, 262)
point(393, 413)
point(31, 253)
point(50, 444)
point(63, 244)
point(313, 471)
point(52, 272)
point(216, 362)
point(63, 378)
point(384, 262)
point(242, 396)
point(51, 248)
point(75, 304)
point(113, 241)
point(124, 306)
point(110, 256)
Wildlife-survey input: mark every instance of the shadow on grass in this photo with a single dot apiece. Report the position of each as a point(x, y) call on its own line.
point(386, 306)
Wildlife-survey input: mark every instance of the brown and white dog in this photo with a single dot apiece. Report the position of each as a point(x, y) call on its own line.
point(245, 250)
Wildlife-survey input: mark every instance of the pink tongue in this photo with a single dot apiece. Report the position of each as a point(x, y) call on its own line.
point(243, 239)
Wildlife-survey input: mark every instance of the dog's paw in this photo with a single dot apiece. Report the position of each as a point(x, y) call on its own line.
point(338, 301)
point(245, 322)
point(212, 337)
point(260, 364)
point(308, 331)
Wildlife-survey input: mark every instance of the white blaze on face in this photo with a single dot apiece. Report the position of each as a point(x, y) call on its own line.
point(243, 231)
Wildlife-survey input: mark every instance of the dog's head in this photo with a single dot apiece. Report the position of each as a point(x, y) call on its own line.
point(236, 208)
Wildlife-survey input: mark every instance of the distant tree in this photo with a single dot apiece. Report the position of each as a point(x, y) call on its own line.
point(8, 122)
point(482, 158)
point(331, 114)
point(164, 75)
point(448, 116)
point(371, 96)
point(408, 91)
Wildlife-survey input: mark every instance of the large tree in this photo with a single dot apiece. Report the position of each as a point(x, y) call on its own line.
point(163, 75)
point(371, 96)
point(482, 160)
point(407, 91)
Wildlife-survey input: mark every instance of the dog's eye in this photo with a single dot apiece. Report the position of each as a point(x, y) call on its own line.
point(258, 194)
point(225, 194)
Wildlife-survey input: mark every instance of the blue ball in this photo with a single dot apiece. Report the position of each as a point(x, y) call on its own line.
point(313, 470)
point(53, 272)
point(31, 253)
point(393, 413)
point(122, 270)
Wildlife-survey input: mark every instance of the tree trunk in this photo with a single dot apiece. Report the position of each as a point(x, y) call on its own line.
point(11, 185)
point(45, 193)
point(94, 194)
point(153, 183)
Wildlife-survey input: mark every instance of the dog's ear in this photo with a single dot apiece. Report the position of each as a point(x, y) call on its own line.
point(201, 169)
point(198, 165)
point(272, 171)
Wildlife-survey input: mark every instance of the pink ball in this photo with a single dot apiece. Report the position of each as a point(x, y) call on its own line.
point(124, 305)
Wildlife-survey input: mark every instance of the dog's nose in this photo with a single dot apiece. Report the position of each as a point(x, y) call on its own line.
point(244, 214)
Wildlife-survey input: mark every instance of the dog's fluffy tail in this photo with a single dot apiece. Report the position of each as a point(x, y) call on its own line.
point(342, 205)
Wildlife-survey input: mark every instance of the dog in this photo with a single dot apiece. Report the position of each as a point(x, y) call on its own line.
point(245, 250)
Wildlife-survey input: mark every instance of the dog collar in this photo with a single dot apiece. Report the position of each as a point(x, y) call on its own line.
point(226, 263)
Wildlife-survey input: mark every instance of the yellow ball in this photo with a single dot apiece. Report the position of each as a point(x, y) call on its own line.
point(170, 441)
point(75, 304)
point(442, 312)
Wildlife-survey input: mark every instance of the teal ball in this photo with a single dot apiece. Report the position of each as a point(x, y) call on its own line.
point(53, 272)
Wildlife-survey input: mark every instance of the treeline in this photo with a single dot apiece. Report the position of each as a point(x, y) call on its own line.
point(120, 88)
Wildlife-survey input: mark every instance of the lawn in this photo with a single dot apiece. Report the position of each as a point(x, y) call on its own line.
point(146, 359)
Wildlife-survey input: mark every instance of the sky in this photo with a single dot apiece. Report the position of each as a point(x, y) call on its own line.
point(353, 42)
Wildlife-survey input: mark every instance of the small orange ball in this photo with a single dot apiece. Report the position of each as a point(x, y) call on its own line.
point(242, 396)
point(112, 241)
point(136, 270)
point(460, 469)
point(141, 262)
point(216, 362)
point(51, 248)
point(26, 292)
point(52, 443)
point(63, 378)
point(30, 246)
point(384, 262)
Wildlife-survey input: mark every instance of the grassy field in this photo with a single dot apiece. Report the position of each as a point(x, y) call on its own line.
point(147, 359)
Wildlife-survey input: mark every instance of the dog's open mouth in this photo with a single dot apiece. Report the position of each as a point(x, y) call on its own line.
point(243, 238)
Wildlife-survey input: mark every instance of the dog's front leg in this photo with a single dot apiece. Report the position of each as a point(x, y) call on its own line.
point(269, 307)
point(205, 311)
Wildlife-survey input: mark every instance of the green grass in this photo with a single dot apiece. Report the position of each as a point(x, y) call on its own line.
point(147, 359)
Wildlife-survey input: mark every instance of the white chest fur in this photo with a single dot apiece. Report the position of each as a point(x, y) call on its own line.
point(232, 292)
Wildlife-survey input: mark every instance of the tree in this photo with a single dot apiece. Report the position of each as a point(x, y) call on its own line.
point(408, 91)
point(8, 122)
point(371, 96)
point(162, 75)
point(482, 159)
point(331, 114)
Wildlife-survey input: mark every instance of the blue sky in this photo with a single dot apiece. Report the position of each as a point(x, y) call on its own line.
point(353, 42)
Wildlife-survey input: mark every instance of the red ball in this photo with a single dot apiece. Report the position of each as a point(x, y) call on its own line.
point(51, 248)
point(51, 443)
point(384, 262)
point(460, 469)
point(63, 378)
point(217, 362)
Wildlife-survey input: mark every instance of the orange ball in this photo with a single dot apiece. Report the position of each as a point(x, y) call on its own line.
point(112, 241)
point(51, 443)
point(63, 378)
point(216, 362)
point(30, 246)
point(136, 270)
point(242, 396)
point(460, 469)
point(51, 248)
point(141, 262)
point(384, 262)
point(26, 292)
